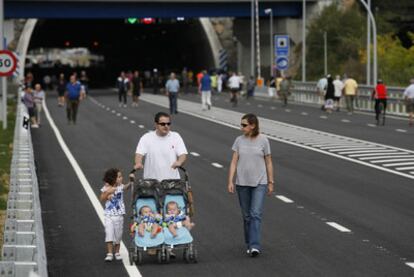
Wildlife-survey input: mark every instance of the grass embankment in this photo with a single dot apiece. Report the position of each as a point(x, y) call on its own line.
point(6, 151)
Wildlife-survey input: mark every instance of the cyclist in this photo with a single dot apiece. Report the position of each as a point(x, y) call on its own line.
point(379, 94)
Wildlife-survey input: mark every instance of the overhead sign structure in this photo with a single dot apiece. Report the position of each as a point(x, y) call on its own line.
point(8, 63)
point(282, 51)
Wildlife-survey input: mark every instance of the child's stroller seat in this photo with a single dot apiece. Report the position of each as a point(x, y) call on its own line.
point(146, 240)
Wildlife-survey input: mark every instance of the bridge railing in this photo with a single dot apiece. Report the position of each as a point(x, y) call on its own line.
point(307, 93)
point(23, 252)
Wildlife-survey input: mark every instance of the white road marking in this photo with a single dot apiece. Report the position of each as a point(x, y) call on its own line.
point(287, 110)
point(378, 150)
point(284, 199)
point(195, 154)
point(217, 165)
point(132, 122)
point(405, 168)
point(389, 156)
point(412, 172)
point(131, 270)
point(346, 120)
point(141, 126)
point(113, 111)
point(323, 117)
point(338, 227)
point(273, 108)
point(399, 164)
point(410, 265)
point(372, 156)
point(118, 114)
point(125, 118)
point(372, 125)
point(392, 160)
point(401, 130)
point(108, 109)
point(352, 148)
point(304, 113)
point(260, 106)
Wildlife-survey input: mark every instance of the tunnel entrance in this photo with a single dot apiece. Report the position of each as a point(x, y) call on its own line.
point(165, 44)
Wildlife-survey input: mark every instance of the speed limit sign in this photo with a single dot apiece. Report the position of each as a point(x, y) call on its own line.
point(8, 63)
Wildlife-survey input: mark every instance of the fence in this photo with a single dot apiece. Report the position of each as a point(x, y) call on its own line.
point(23, 252)
point(307, 93)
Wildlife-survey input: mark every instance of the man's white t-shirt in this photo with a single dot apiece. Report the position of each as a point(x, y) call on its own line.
point(409, 91)
point(234, 82)
point(338, 85)
point(160, 153)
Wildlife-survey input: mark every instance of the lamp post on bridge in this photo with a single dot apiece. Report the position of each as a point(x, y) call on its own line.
point(303, 40)
point(374, 33)
point(270, 13)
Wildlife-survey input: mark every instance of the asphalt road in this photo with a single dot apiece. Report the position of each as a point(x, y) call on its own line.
point(375, 206)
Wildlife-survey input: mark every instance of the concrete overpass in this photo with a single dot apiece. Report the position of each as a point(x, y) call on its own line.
point(224, 23)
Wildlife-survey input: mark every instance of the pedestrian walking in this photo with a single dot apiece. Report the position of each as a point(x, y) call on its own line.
point(113, 194)
point(252, 166)
point(251, 84)
point(61, 88)
point(234, 84)
point(321, 89)
point(339, 86)
point(137, 87)
point(122, 84)
point(214, 79)
point(39, 96)
point(73, 95)
point(205, 91)
point(350, 91)
point(285, 87)
point(409, 102)
point(330, 95)
point(172, 88)
point(164, 151)
point(271, 87)
point(28, 100)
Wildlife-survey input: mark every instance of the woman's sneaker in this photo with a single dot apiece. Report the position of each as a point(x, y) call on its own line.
point(118, 257)
point(254, 252)
point(109, 257)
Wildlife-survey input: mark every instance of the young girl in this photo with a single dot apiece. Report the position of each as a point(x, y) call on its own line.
point(113, 194)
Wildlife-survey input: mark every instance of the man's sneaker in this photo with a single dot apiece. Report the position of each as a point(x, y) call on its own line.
point(109, 257)
point(118, 257)
point(254, 252)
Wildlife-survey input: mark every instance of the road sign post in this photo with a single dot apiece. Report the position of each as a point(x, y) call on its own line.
point(282, 52)
point(8, 64)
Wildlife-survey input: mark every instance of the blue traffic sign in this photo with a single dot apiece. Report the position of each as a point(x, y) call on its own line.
point(281, 45)
point(282, 63)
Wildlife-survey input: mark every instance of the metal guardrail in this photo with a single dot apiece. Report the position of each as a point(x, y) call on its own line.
point(23, 252)
point(307, 93)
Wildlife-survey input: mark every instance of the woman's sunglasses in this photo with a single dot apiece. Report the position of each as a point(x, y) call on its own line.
point(164, 123)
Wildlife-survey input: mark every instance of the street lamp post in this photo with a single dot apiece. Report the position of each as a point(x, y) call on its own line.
point(325, 51)
point(252, 37)
point(259, 74)
point(270, 13)
point(369, 46)
point(374, 33)
point(304, 41)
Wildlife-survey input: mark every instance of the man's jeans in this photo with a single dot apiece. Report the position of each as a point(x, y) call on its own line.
point(173, 102)
point(251, 202)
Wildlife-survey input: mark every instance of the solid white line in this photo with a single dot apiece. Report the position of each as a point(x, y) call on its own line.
point(195, 154)
point(410, 265)
point(399, 155)
point(132, 270)
point(338, 227)
point(401, 130)
point(284, 199)
point(217, 165)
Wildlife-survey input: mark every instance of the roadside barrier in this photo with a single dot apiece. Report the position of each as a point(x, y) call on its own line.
point(23, 252)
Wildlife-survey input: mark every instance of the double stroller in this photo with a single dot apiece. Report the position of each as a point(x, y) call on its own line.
point(156, 195)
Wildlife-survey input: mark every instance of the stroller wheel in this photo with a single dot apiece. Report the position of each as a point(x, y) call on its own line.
point(160, 256)
point(138, 257)
point(194, 255)
point(186, 255)
point(131, 257)
point(167, 256)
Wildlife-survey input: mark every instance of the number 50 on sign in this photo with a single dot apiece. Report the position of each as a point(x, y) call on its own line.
point(8, 63)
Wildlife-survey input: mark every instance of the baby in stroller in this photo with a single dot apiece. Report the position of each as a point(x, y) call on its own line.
point(149, 221)
point(175, 218)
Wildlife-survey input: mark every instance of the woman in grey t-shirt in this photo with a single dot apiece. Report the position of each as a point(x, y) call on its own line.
point(252, 165)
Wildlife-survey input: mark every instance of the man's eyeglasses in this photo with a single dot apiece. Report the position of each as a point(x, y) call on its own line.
point(164, 123)
point(243, 125)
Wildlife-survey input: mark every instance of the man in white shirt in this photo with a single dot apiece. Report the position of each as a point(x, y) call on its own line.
point(163, 149)
point(234, 85)
point(409, 100)
point(339, 86)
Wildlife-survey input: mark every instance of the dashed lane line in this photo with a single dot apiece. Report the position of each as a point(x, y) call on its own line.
point(141, 126)
point(132, 121)
point(131, 270)
point(338, 227)
point(371, 125)
point(195, 154)
point(284, 199)
point(401, 130)
point(124, 118)
point(217, 165)
point(346, 120)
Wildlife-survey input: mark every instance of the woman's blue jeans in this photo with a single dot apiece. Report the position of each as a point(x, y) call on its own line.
point(251, 202)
